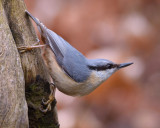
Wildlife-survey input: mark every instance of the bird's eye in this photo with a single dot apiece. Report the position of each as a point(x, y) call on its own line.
point(109, 66)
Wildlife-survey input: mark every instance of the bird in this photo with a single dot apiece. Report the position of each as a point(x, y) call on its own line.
point(73, 74)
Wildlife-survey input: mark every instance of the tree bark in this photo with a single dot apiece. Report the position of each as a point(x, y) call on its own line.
point(13, 107)
point(20, 71)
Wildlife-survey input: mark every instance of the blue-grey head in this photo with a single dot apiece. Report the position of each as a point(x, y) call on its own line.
point(104, 68)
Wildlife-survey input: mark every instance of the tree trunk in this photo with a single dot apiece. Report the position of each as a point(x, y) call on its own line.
point(18, 71)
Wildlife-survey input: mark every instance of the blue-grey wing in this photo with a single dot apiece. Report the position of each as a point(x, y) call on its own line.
point(69, 58)
point(55, 43)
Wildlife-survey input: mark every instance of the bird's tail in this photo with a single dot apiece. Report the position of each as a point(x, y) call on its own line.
point(35, 19)
point(41, 26)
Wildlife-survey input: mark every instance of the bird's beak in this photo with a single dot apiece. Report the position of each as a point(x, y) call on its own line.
point(124, 65)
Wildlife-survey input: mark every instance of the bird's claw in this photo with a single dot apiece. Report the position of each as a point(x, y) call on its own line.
point(29, 48)
point(44, 102)
point(50, 101)
point(46, 109)
point(24, 49)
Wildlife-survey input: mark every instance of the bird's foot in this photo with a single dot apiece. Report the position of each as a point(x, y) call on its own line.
point(50, 101)
point(29, 48)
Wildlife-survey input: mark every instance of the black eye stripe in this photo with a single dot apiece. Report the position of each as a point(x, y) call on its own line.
point(97, 68)
point(101, 68)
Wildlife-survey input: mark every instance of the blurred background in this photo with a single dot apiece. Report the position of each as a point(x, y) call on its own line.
point(118, 30)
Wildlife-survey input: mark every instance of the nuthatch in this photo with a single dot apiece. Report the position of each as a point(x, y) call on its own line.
point(72, 73)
